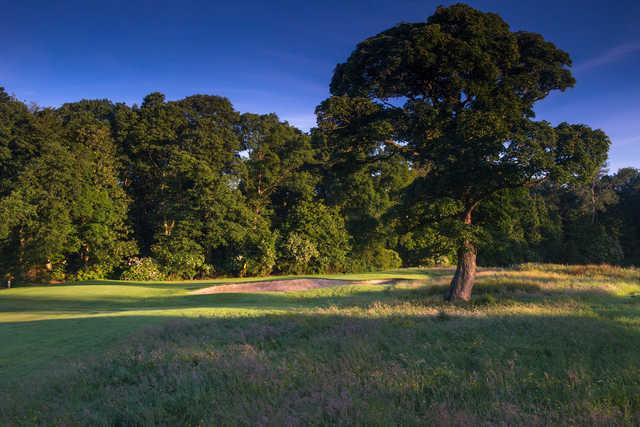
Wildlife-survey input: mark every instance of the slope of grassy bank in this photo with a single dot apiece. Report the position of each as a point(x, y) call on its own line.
point(539, 344)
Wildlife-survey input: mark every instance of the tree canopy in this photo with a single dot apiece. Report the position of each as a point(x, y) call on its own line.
point(455, 95)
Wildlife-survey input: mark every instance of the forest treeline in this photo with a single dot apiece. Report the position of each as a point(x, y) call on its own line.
point(192, 188)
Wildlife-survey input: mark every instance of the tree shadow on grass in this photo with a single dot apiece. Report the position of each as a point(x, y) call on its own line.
point(334, 368)
point(451, 332)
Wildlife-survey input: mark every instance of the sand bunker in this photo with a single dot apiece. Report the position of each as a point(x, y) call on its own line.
point(289, 285)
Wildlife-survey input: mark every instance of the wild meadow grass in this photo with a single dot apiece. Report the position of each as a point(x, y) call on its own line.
point(538, 345)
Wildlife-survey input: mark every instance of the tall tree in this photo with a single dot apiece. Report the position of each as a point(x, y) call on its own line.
point(185, 173)
point(18, 140)
point(36, 225)
point(277, 158)
point(455, 95)
point(101, 205)
point(66, 211)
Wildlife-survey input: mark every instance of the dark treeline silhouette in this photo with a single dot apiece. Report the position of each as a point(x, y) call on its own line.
point(407, 148)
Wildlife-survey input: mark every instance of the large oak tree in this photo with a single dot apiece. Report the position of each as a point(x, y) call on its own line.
point(455, 96)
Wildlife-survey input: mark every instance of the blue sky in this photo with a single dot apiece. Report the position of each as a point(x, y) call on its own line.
point(279, 56)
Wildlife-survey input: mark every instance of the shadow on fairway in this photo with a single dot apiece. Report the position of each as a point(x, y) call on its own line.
point(329, 368)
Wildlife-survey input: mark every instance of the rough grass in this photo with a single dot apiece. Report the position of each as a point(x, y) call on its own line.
point(538, 345)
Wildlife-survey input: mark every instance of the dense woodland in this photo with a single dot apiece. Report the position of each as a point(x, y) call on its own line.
point(93, 188)
point(192, 188)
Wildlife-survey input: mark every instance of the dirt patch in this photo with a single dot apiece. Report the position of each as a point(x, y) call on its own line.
point(290, 285)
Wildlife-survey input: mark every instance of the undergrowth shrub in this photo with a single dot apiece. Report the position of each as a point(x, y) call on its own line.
point(143, 269)
point(94, 272)
point(376, 258)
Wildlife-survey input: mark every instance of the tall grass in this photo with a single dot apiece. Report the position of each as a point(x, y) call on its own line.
point(538, 345)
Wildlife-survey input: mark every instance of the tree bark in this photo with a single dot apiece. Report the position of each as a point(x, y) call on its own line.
point(463, 279)
point(20, 272)
point(465, 275)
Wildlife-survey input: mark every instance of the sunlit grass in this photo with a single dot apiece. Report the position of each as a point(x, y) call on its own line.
point(538, 344)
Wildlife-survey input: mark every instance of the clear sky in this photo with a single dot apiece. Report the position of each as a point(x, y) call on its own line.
point(279, 56)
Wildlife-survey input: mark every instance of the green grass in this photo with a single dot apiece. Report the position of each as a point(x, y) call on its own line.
point(44, 326)
point(538, 345)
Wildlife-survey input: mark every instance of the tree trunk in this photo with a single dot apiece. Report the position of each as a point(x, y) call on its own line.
point(462, 282)
point(20, 272)
point(463, 279)
point(84, 254)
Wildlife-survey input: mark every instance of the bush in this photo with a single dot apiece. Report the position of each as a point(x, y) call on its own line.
point(260, 253)
point(377, 258)
point(249, 250)
point(298, 252)
point(58, 270)
point(94, 272)
point(426, 247)
point(181, 257)
point(322, 227)
point(143, 269)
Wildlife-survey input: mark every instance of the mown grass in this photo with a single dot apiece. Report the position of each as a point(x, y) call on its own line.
point(538, 345)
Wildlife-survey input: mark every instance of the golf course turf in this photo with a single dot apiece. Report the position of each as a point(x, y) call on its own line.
point(538, 345)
